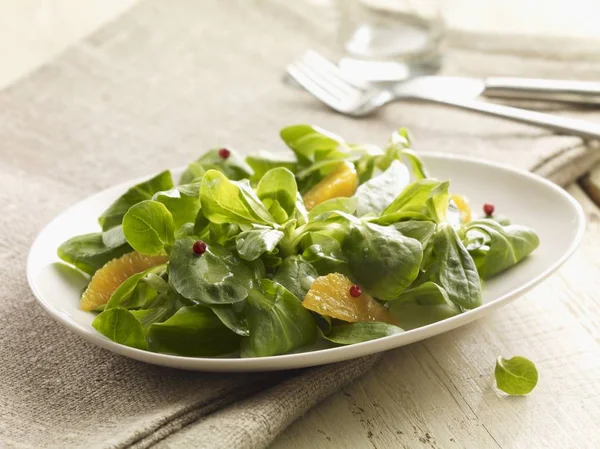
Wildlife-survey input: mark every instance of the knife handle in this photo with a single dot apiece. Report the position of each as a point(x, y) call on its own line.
point(587, 92)
point(556, 123)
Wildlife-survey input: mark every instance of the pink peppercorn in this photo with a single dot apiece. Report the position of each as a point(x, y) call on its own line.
point(199, 247)
point(355, 291)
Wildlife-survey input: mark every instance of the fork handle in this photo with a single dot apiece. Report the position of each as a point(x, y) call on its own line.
point(564, 125)
point(587, 92)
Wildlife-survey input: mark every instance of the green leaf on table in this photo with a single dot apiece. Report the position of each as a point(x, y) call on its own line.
point(351, 333)
point(233, 167)
point(516, 376)
point(193, 331)
point(113, 216)
point(277, 322)
point(502, 246)
point(149, 228)
point(254, 243)
point(296, 275)
point(426, 199)
point(133, 293)
point(375, 195)
point(264, 161)
point(382, 260)
point(225, 201)
point(453, 269)
point(182, 201)
point(217, 277)
point(89, 252)
point(121, 327)
point(278, 186)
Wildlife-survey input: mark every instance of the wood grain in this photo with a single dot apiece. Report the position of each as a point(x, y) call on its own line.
point(440, 392)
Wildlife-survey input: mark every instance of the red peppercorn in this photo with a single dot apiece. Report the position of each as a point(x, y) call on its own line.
point(224, 153)
point(355, 291)
point(488, 209)
point(199, 247)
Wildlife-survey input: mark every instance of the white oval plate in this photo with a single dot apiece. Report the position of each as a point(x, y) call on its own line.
point(528, 199)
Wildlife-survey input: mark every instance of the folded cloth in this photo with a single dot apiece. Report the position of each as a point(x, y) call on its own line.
point(156, 88)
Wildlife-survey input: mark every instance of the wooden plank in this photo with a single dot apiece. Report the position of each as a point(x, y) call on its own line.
point(440, 392)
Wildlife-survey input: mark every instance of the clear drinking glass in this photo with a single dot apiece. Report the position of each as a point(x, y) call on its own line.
point(390, 39)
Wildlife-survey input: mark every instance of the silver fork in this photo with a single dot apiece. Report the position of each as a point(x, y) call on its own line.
point(356, 98)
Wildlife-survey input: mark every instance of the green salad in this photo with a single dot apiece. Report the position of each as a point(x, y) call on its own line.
point(263, 255)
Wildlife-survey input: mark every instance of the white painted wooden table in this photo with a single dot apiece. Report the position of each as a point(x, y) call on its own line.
point(437, 393)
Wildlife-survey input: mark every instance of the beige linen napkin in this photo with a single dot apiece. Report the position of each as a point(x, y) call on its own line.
point(156, 88)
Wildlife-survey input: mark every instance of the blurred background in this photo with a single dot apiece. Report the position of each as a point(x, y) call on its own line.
point(32, 31)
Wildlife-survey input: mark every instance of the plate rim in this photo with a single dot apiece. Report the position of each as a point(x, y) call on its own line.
point(322, 356)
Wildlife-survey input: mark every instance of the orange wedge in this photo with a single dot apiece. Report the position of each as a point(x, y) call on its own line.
point(341, 182)
point(330, 296)
point(463, 206)
point(108, 278)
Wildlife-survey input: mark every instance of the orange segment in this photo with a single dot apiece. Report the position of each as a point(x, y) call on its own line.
point(341, 182)
point(463, 206)
point(330, 296)
point(106, 280)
